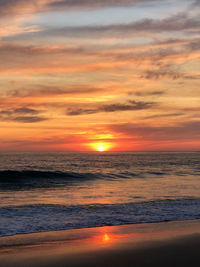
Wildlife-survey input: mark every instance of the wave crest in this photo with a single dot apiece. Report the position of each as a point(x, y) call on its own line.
point(35, 179)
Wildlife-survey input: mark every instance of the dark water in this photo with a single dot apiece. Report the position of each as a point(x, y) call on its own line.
point(44, 192)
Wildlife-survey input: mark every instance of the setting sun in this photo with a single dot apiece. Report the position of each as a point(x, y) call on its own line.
point(101, 146)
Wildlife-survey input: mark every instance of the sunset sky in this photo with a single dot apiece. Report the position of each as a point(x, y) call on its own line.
point(76, 74)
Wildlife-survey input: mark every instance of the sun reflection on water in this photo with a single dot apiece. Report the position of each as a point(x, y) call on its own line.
point(106, 238)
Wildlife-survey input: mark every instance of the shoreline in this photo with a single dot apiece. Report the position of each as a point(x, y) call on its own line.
point(94, 227)
point(117, 245)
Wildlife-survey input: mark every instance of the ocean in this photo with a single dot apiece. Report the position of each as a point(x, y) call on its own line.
point(64, 190)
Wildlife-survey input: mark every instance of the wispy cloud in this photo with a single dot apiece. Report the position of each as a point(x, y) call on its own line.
point(13, 7)
point(85, 4)
point(179, 22)
point(167, 74)
point(22, 114)
point(131, 105)
point(48, 59)
point(188, 130)
point(164, 115)
point(31, 50)
point(146, 93)
point(47, 91)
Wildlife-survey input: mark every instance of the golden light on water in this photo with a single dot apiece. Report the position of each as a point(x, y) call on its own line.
point(106, 238)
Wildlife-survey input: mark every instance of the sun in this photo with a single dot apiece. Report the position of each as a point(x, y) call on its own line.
point(101, 146)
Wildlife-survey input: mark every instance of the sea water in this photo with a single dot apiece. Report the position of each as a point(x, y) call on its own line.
point(54, 191)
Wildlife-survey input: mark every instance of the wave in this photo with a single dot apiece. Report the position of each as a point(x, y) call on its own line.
point(29, 179)
point(50, 217)
point(26, 179)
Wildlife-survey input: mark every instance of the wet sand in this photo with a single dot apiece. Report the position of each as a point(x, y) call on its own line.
point(154, 244)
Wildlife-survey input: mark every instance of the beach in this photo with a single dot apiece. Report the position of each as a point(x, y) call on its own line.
point(99, 133)
point(150, 244)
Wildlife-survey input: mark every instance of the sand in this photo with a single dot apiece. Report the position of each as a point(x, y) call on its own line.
point(154, 244)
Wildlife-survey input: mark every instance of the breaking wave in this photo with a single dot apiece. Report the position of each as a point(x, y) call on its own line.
point(50, 217)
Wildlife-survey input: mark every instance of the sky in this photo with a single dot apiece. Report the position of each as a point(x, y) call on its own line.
point(84, 75)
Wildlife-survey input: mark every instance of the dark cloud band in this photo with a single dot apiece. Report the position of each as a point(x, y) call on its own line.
point(131, 105)
point(22, 114)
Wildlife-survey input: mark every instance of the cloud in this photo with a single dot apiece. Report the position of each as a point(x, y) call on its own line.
point(175, 23)
point(167, 73)
point(21, 110)
point(44, 91)
point(48, 59)
point(31, 50)
point(13, 49)
point(85, 4)
point(14, 7)
point(51, 142)
point(162, 73)
point(164, 115)
point(80, 111)
point(28, 119)
point(196, 3)
point(22, 114)
point(145, 93)
point(194, 45)
point(131, 105)
point(188, 130)
point(25, 110)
